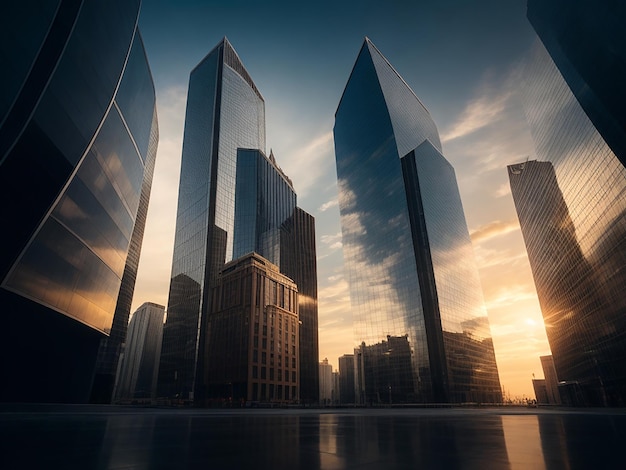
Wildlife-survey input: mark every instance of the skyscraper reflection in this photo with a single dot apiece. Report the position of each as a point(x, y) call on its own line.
point(373, 438)
point(572, 211)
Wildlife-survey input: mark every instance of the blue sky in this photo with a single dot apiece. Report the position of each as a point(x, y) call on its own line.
point(461, 57)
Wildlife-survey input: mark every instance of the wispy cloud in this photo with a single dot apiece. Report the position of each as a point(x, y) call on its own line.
point(478, 113)
point(333, 241)
point(503, 190)
point(327, 205)
point(493, 229)
point(310, 163)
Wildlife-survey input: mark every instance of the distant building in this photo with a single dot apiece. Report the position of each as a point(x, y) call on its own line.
point(335, 392)
point(541, 392)
point(233, 200)
point(408, 255)
point(572, 209)
point(346, 379)
point(380, 376)
point(552, 382)
point(78, 139)
point(586, 41)
point(326, 382)
point(253, 343)
point(140, 359)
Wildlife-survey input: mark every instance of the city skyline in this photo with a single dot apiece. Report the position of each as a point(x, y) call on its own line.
point(470, 88)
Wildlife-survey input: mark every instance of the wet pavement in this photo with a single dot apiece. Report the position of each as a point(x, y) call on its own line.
point(109, 437)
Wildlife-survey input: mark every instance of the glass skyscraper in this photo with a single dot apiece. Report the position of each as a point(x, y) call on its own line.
point(139, 363)
point(232, 201)
point(420, 322)
point(78, 138)
point(572, 211)
point(586, 41)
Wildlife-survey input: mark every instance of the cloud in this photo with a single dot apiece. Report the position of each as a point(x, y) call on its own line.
point(477, 114)
point(327, 205)
point(333, 241)
point(309, 163)
point(493, 229)
point(503, 190)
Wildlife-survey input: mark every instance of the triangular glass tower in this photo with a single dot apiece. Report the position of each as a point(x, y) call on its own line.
point(422, 333)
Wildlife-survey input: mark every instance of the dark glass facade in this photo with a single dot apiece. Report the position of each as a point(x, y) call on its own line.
point(346, 379)
point(267, 221)
point(586, 41)
point(408, 255)
point(233, 200)
point(79, 119)
point(572, 210)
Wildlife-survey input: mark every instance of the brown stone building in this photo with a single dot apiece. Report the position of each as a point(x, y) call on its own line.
point(253, 336)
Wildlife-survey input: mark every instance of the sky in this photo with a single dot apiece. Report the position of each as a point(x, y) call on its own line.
point(462, 59)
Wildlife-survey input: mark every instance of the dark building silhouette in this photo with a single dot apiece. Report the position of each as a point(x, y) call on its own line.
point(541, 391)
point(586, 41)
point(551, 380)
point(253, 345)
point(78, 138)
point(139, 362)
point(380, 373)
point(572, 213)
point(233, 200)
point(408, 256)
point(346, 379)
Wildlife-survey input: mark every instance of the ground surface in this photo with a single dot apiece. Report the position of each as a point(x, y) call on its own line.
point(113, 437)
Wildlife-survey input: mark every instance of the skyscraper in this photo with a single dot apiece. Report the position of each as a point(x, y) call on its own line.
point(572, 212)
point(407, 251)
point(346, 379)
point(326, 382)
point(232, 201)
point(586, 41)
point(78, 137)
point(139, 365)
point(268, 221)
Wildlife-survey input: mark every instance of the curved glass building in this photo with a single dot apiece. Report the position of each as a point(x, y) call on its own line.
point(421, 326)
point(78, 137)
point(572, 211)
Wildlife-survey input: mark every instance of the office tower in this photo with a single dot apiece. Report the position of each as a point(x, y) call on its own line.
point(541, 392)
point(78, 137)
point(326, 382)
point(233, 200)
point(346, 379)
point(253, 346)
point(139, 363)
point(335, 392)
point(407, 251)
point(552, 382)
point(571, 208)
point(268, 221)
point(302, 268)
point(586, 41)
